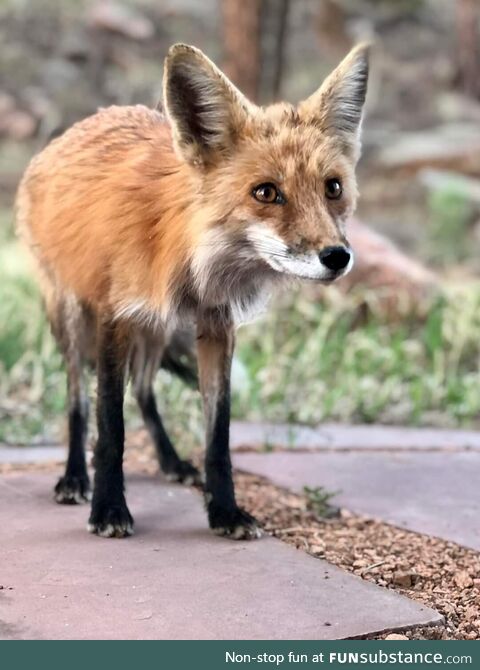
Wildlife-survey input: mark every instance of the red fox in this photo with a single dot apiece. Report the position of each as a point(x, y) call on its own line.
point(145, 221)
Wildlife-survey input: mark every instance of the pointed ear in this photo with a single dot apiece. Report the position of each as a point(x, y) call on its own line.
point(206, 110)
point(337, 106)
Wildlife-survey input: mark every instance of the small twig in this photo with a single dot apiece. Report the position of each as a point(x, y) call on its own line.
point(295, 529)
point(371, 567)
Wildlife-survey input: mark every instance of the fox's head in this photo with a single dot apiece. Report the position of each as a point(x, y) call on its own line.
point(278, 181)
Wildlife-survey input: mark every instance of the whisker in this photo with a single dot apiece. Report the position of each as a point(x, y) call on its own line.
point(235, 245)
point(272, 252)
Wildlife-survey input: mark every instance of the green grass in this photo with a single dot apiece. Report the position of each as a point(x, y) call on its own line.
point(303, 362)
point(310, 363)
point(30, 368)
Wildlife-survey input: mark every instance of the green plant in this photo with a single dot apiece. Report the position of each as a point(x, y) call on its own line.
point(318, 501)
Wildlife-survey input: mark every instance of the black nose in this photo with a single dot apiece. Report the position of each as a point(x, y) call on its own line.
point(335, 258)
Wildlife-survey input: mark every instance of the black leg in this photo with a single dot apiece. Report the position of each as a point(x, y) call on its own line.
point(172, 465)
point(215, 348)
point(71, 331)
point(146, 356)
point(110, 516)
point(74, 486)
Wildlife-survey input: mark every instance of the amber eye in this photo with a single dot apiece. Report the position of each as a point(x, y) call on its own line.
point(333, 189)
point(268, 193)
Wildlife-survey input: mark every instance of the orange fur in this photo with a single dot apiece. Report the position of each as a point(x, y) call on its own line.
point(101, 204)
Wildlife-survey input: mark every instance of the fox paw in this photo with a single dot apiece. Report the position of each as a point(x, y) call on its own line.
point(185, 473)
point(111, 521)
point(72, 490)
point(235, 524)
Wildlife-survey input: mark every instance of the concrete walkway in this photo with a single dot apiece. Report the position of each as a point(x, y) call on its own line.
point(173, 579)
point(338, 437)
point(330, 436)
point(25, 455)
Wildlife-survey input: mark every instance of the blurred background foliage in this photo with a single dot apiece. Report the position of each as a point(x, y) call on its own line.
point(398, 340)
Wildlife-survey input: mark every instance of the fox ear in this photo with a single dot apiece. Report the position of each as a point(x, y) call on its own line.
point(206, 110)
point(337, 106)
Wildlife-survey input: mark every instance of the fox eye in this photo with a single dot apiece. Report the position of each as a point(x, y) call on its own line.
point(333, 189)
point(268, 193)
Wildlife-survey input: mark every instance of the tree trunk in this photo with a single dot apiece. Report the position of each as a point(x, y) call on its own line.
point(468, 15)
point(242, 44)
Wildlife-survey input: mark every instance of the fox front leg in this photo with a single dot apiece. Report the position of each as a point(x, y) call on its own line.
point(215, 343)
point(109, 515)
